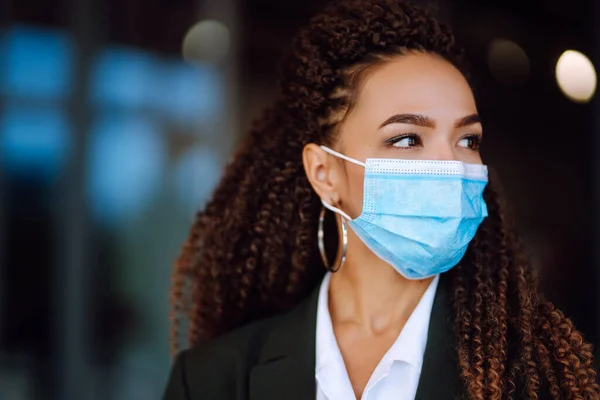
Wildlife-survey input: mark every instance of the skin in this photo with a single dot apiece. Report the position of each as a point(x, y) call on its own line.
point(369, 301)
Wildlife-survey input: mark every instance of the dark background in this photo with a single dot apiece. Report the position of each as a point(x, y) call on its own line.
point(110, 141)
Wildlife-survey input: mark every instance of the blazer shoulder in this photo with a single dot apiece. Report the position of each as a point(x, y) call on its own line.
point(243, 344)
point(219, 367)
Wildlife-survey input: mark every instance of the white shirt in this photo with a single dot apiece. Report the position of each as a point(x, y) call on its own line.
point(397, 374)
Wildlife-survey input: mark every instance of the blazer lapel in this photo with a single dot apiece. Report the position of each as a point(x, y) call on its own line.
point(440, 379)
point(286, 365)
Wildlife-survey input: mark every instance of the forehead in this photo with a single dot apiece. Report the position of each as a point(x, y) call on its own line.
point(416, 83)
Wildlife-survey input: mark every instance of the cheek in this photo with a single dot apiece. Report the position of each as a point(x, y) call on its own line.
point(353, 199)
point(471, 157)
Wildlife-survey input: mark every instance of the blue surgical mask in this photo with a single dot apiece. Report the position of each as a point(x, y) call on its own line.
point(418, 215)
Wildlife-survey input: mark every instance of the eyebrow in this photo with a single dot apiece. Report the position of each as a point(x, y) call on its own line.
point(468, 120)
point(422, 120)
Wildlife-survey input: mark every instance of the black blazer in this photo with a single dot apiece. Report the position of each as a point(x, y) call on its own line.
point(274, 359)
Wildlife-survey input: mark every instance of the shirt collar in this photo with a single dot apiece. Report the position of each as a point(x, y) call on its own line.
point(409, 347)
point(326, 346)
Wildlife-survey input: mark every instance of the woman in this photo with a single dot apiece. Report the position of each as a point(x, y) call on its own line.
point(368, 166)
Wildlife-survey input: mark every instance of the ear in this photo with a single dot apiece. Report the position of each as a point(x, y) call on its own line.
point(322, 172)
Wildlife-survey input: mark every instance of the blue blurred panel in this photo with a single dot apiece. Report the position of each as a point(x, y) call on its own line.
point(189, 94)
point(36, 63)
point(197, 173)
point(127, 158)
point(123, 77)
point(33, 142)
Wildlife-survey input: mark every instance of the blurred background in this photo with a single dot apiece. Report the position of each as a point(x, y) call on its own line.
point(117, 118)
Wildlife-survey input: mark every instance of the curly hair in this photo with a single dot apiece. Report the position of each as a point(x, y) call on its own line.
point(252, 252)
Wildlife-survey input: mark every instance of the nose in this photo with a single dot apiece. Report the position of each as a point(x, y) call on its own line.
point(442, 150)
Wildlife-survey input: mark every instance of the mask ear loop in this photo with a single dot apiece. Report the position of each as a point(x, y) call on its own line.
point(320, 232)
point(336, 210)
point(340, 155)
point(352, 160)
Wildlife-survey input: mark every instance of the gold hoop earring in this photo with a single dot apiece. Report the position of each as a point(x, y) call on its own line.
point(321, 242)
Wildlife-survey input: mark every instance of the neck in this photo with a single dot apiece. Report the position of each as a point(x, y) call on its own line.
point(370, 293)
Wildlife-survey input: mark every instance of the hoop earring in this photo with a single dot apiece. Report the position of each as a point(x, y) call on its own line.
point(321, 242)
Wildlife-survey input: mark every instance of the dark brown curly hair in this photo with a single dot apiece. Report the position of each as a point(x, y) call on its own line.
point(253, 251)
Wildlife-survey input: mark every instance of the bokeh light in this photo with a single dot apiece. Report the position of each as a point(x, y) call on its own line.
point(126, 164)
point(508, 62)
point(576, 76)
point(197, 172)
point(34, 142)
point(36, 62)
point(121, 77)
point(207, 41)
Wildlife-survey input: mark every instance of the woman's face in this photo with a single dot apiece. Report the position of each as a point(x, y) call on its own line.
point(418, 106)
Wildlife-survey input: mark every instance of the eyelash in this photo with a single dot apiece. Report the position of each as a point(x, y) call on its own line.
point(476, 137)
point(391, 141)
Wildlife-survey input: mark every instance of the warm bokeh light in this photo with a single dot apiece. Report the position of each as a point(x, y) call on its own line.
point(576, 76)
point(207, 41)
point(508, 62)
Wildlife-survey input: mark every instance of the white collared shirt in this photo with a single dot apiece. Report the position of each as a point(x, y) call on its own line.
point(397, 374)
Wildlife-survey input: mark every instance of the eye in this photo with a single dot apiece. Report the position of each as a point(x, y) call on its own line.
point(472, 142)
point(405, 141)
